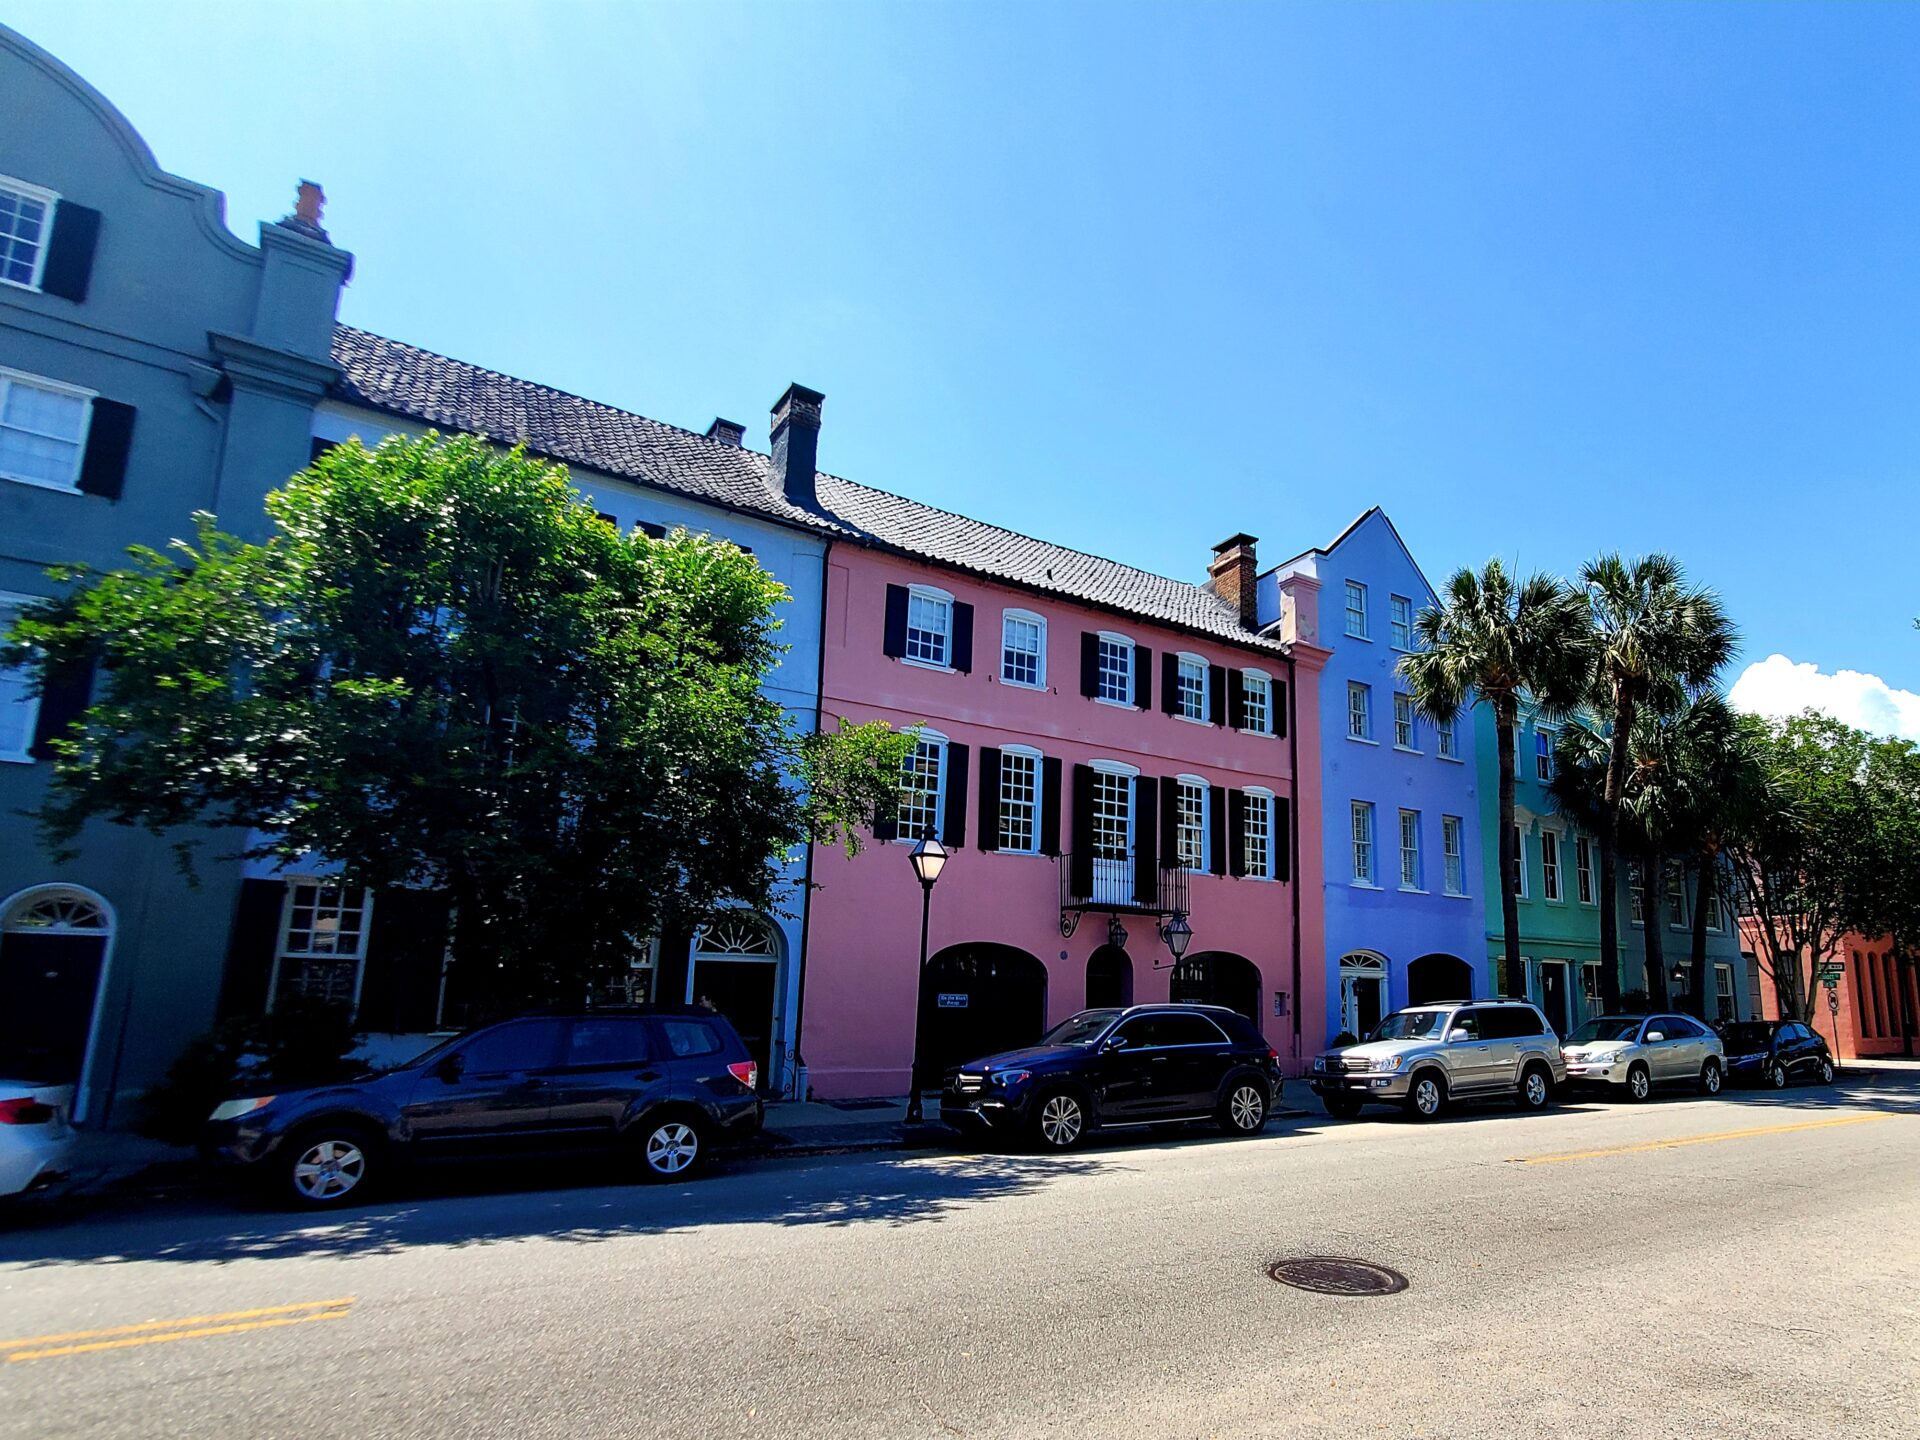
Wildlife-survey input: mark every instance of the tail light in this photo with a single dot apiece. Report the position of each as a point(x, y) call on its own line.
point(25, 1110)
point(747, 1072)
point(1273, 1054)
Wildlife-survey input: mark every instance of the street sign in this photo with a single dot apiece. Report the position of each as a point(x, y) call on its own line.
point(953, 1002)
point(1833, 1002)
point(1831, 967)
point(1832, 982)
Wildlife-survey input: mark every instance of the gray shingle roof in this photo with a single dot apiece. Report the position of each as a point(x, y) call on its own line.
point(404, 380)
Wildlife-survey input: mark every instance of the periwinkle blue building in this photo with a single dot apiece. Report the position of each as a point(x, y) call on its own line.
point(1400, 814)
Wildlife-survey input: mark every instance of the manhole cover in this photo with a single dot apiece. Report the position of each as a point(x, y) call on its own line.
point(1331, 1275)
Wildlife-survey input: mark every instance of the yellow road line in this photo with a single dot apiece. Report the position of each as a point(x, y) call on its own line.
point(1703, 1139)
point(185, 1322)
point(163, 1336)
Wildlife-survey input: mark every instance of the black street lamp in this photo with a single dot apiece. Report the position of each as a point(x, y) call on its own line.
point(1177, 934)
point(928, 858)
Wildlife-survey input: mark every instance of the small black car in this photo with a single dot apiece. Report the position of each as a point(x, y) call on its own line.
point(1118, 1069)
point(1773, 1052)
point(658, 1084)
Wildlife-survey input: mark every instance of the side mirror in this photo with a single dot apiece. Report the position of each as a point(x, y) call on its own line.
point(449, 1069)
point(1654, 1037)
point(1458, 1034)
point(1113, 1043)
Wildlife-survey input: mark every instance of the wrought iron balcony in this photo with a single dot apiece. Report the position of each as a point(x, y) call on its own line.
point(1111, 884)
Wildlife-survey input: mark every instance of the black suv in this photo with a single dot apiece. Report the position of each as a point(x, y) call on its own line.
point(1774, 1052)
point(1119, 1069)
point(659, 1084)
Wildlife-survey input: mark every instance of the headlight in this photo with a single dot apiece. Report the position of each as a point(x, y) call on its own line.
point(1007, 1079)
point(1320, 1063)
point(234, 1109)
point(1390, 1062)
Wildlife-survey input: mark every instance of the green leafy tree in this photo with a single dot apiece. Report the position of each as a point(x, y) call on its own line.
point(1495, 641)
point(1884, 899)
point(1658, 638)
point(444, 670)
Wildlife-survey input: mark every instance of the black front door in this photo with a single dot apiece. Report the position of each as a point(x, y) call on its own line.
point(494, 1090)
point(47, 986)
point(743, 991)
point(1553, 995)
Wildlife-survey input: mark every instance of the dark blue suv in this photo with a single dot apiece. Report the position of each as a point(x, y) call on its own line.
point(660, 1085)
point(1120, 1069)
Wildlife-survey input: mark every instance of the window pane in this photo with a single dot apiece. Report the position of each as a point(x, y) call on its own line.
point(927, 620)
point(1410, 849)
point(1112, 816)
point(36, 457)
point(919, 811)
point(1116, 670)
point(1359, 708)
point(607, 1042)
point(1192, 697)
point(1356, 609)
point(1019, 801)
point(1258, 830)
point(1190, 825)
point(23, 221)
point(522, 1045)
point(1256, 704)
point(687, 1038)
point(1403, 721)
point(1450, 842)
point(1363, 842)
point(1020, 662)
point(1402, 623)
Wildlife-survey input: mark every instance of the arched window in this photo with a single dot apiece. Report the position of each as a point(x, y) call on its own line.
point(58, 912)
point(737, 932)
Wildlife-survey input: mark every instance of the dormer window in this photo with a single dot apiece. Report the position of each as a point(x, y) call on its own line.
point(26, 220)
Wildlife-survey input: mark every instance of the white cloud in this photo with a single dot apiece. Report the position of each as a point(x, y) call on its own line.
point(1778, 686)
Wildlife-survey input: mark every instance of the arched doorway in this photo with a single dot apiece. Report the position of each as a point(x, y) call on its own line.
point(1433, 978)
point(736, 970)
point(977, 1000)
point(1109, 978)
point(54, 944)
point(1363, 991)
point(1217, 977)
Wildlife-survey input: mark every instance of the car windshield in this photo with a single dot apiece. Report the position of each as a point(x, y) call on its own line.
point(1410, 1025)
point(1607, 1027)
point(1747, 1035)
point(1081, 1029)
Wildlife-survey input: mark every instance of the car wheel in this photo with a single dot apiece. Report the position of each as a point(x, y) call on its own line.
point(1639, 1082)
point(1777, 1075)
point(671, 1148)
point(1245, 1110)
point(1341, 1107)
point(1059, 1120)
point(1536, 1088)
point(328, 1165)
point(1826, 1070)
point(1710, 1078)
point(1427, 1096)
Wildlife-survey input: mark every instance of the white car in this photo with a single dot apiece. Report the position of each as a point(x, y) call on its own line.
point(1638, 1052)
point(36, 1143)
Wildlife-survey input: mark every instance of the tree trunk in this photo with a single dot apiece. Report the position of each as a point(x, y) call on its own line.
point(1703, 895)
point(1514, 983)
point(1653, 915)
point(1609, 927)
point(1610, 845)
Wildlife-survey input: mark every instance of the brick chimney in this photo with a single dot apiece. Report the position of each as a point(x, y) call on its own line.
point(796, 442)
point(1234, 577)
point(727, 432)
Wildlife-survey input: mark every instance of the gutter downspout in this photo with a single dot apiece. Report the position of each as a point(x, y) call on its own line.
point(1293, 839)
point(806, 879)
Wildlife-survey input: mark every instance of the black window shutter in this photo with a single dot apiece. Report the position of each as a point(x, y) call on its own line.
point(1282, 839)
point(64, 698)
point(1236, 700)
point(406, 946)
point(1081, 874)
point(990, 798)
point(250, 945)
point(604, 518)
point(652, 530)
point(1146, 878)
point(1217, 828)
point(963, 638)
point(886, 827)
point(1236, 833)
point(953, 824)
point(1169, 817)
point(896, 641)
point(76, 230)
point(319, 447)
point(1089, 671)
point(1050, 770)
point(1217, 694)
point(103, 471)
point(1170, 683)
point(1142, 677)
point(1280, 708)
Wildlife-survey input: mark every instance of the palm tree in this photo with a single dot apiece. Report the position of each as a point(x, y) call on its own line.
point(1658, 639)
point(1494, 641)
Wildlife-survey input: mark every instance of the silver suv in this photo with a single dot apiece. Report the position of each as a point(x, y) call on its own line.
point(1427, 1056)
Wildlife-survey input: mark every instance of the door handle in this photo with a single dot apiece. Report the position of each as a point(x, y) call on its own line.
point(648, 1075)
point(534, 1082)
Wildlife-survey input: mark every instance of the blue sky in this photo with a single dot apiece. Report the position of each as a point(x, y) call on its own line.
point(1541, 280)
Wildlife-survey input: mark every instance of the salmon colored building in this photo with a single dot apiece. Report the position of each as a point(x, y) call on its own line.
point(1104, 752)
point(1879, 1002)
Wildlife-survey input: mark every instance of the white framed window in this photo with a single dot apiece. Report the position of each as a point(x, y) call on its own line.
point(1190, 687)
point(1520, 862)
point(1543, 754)
point(1256, 702)
point(323, 943)
point(1362, 823)
point(1115, 683)
point(1190, 823)
point(929, 626)
point(1023, 649)
point(1112, 835)
point(1583, 868)
point(1446, 739)
point(19, 707)
point(1402, 621)
point(26, 226)
point(1453, 849)
point(1410, 850)
point(1406, 733)
point(1676, 900)
point(1550, 865)
point(1256, 855)
point(43, 431)
point(1636, 896)
point(1019, 801)
point(1356, 610)
point(1359, 711)
point(1723, 998)
point(923, 787)
point(1715, 915)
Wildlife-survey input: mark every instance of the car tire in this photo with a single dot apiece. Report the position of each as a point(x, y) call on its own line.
point(1059, 1120)
point(1777, 1075)
point(1426, 1095)
point(1639, 1082)
point(330, 1164)
point(1712, 1077)
point(1536, 1087)
point(668, 1147)
point(1244, 1111)
point(1826, 1070)
point(1341, 1107)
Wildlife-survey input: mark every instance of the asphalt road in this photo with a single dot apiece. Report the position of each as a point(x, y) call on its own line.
point(1570, 1274)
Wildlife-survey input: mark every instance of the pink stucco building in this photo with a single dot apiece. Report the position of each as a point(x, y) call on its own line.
point(1101, 749)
